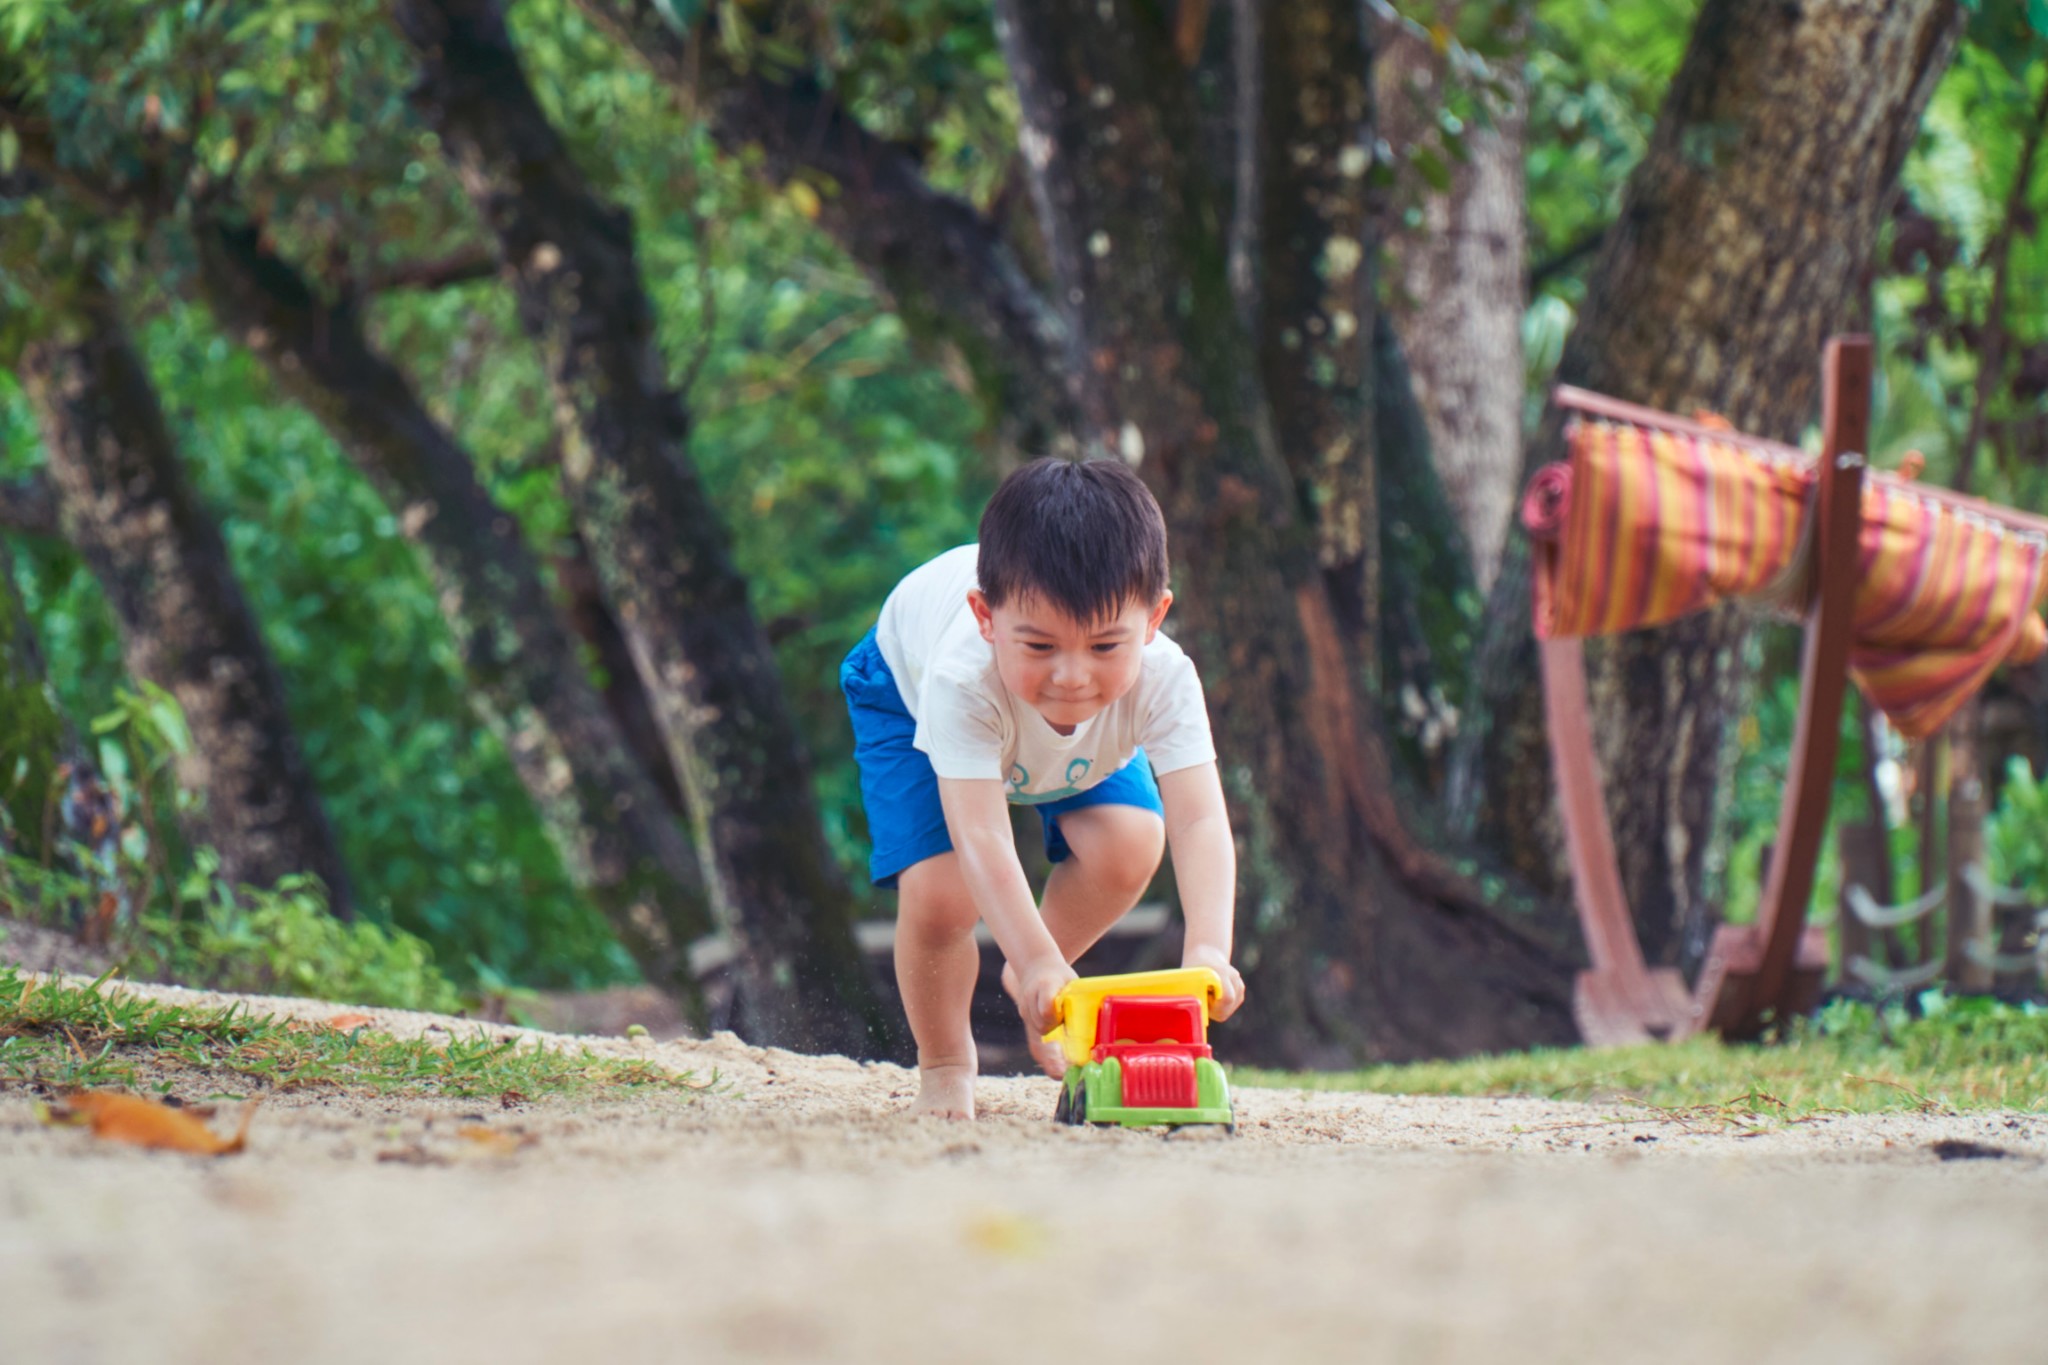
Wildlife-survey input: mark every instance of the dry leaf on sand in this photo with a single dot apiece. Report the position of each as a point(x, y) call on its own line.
point(333, 1023)
point(495, 1141)
point(145, 1123)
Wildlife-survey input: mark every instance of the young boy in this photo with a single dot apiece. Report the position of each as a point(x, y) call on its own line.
point(1029, 669)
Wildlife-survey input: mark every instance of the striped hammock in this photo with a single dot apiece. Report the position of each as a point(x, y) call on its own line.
point(1643, 526)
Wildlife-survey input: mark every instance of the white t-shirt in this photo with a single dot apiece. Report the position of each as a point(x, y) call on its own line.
point(971, 726)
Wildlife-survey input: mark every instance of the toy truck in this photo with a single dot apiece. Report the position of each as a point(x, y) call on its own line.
point(1137, 1049)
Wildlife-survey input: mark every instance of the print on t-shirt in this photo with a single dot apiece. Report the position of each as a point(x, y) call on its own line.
point(1021, 779)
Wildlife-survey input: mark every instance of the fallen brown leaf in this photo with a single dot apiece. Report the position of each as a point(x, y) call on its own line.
point(349, 1023)
point(495, 1141)
point(145, 1123)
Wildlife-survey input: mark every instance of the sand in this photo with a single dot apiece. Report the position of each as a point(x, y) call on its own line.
point(796, 1213)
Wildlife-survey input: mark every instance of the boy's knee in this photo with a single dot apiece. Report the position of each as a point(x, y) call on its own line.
point(1122, 845)
point(932, 900)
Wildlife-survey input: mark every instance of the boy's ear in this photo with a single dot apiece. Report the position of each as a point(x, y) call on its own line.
point(984, 614)
point(1158, 616)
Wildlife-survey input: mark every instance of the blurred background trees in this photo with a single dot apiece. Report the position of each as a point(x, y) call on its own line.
point(558, 471)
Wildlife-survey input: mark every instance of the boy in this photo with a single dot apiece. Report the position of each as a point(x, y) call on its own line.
point(1030, 669)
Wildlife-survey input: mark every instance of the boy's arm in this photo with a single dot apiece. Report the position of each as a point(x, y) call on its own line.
point(978, 818)
point(1205, 871)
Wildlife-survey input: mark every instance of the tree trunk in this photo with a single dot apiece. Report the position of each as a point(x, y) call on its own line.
point(1742, 239)
point(32, 729)
point(1356, 941)
point(613, 830)
point(625, 693)
point(655, 538)
point(1459, 294)
point(125, 504)
point(1314, 307)
point(1427, 593)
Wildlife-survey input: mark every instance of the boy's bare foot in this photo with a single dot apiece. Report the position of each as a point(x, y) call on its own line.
point(946, 1091)
point(1051, 1059)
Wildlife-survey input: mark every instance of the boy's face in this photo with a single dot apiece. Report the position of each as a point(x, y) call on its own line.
point(1068, 671)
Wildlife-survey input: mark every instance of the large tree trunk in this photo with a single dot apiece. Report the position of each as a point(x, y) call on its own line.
point(1742, 240)
point(616, 834)
point(655, 538)
point(1314, 308)
point(126, 505)
point(1458, 293)
point(625, 692)
point(1356, 940)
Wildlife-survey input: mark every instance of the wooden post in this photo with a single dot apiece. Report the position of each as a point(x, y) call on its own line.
point(1861, 844)
point(1929, 773)
point(1621, 1000)
point(1969, 917)
point(1773, 968)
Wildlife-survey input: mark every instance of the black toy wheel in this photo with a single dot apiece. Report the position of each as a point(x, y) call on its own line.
point(1079, 1111)
point(1062, 1110)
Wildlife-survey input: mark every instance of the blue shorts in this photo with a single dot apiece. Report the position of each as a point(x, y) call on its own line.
point(901, 792)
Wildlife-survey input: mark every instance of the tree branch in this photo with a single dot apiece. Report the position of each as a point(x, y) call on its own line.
point(459, 267)
point(944, 264)
point(1559, 262)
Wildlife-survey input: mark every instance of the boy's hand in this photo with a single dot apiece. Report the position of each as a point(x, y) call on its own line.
point(1037, 987)
point(1218, 962)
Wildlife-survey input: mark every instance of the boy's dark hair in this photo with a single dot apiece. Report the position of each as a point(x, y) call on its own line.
point(1086, 537)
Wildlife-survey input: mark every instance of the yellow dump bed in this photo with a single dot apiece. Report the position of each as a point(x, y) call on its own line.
point(1080, 1001)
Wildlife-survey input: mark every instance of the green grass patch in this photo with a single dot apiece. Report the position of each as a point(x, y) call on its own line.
point(1956, 1055)
point(67, 1037)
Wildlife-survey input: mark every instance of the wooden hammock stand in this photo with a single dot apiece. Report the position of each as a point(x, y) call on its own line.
point(1772, 968)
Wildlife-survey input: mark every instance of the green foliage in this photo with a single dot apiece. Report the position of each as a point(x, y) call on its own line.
point(283, 941)
point(1959, 1054)
point(65, 1036)
point(279, 940)
point(839, 459)
point(1597, 72)
point(2016, 831)
point(184, 923)
point(31, 728)
point(1933, 305)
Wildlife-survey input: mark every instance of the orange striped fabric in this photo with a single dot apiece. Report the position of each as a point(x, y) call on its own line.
point(1645, 526)
point(1943, 597)
point(1657, 525)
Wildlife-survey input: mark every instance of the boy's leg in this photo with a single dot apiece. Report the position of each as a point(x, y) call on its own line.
point(1114, 850)
point(936, 967)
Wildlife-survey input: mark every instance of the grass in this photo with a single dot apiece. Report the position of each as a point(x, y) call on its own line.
point(76, 1037)
point(1957, 1055)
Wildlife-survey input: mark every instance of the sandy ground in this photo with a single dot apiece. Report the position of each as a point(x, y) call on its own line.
point(795, 1213)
